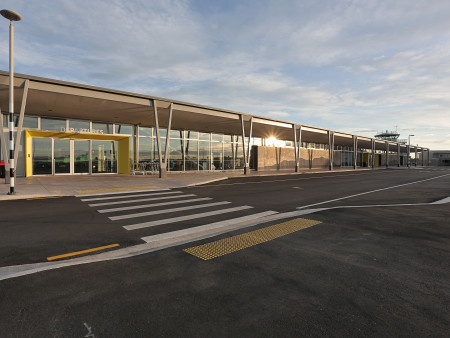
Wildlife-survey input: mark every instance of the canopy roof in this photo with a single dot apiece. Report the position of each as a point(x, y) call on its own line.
point(60, 99)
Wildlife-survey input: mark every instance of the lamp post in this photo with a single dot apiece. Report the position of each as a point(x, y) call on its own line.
point(11, 16)
point(409, 151)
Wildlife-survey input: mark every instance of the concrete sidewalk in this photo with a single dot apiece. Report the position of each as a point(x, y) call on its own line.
point(47, 186)
point(70, 185)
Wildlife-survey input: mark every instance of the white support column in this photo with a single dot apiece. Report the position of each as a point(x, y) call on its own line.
point(355, 151)
point(422, 153)
point(20, 125)
point(330, 149)
point(387, 154)
point(4, 149)
point(415, 160)
point(398, 155)
point(373, 153)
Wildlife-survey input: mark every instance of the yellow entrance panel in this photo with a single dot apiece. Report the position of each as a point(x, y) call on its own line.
point(123, 142)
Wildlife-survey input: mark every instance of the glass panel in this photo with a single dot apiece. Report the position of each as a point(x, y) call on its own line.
point(217, 138)
point(217, 153)
point(238, 156)
point(28, 121)
point(228, 156)
point(79, 126)
point(42, 156)
point(175, 158)
point(145, 149)
point(124, 129)
point(176, 134)
point(191, 155)
point(162, 132)
point(145, 131)
point(62, 156)
point(53, 124)
point(204, 136)
point(105, 128)
point(81, 157)
point(104, 156)
point(204, 154)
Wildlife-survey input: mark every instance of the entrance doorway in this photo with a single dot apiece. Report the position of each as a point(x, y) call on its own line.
point(54, 156)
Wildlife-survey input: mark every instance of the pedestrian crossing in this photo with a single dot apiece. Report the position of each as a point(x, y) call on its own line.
point(165, 213)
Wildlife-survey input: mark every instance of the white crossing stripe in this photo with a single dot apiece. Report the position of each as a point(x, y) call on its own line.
point(165, 211)
point(141, 206)
point(127, 196)
point(211, 226)
point(119, 192)
point(141, 200)
point(184, 218)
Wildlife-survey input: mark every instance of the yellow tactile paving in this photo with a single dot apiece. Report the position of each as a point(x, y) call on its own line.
point(114, 189)
point(235, 243)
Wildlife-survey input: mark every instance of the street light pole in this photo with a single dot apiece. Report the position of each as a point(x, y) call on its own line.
point(409, 151)
point(11, 16)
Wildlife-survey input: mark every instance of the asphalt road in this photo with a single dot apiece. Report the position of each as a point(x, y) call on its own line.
point(376, 268)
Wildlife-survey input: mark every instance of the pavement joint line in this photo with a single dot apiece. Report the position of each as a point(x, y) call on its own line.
point(76, 253)
point(288, 179)
point(246, 240)
point(371, 191)
point(93, 191)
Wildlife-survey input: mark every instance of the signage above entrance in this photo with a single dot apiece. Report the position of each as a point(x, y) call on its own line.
point(81, 130)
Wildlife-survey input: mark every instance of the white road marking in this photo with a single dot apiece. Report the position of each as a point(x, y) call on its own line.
point(8, 272)
point(165, 211)
point(120, 192)
point(141, 200)
point(288, 179)
point(127, 196)
point(211, 226)
point(184, 218)
point(372, 191)
point(142, 206)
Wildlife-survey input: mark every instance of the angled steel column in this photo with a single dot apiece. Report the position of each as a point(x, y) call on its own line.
point(249, 145)
point(387, 154)
point(158, 141)
point(355, 151)
point(20, 125)
point(294, 129)
point(330, 149)
point(243, 143)
point(169, 125)
point(398, 155)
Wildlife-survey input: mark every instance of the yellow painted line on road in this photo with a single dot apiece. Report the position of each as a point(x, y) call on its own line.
point(43, 198)
point(114, 189)
point(239, 242)
point(81, 252)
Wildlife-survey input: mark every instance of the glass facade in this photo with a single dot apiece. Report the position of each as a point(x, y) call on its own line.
point(188, 150)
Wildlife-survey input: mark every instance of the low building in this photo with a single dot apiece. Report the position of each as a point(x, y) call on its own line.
point(440, 157)
point(64, 128)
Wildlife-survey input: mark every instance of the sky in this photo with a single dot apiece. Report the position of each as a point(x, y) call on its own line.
point(352, 66)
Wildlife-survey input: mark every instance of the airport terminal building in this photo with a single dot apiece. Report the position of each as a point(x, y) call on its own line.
point(64, 128)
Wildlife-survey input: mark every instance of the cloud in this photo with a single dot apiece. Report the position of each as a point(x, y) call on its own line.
point(337, 64)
